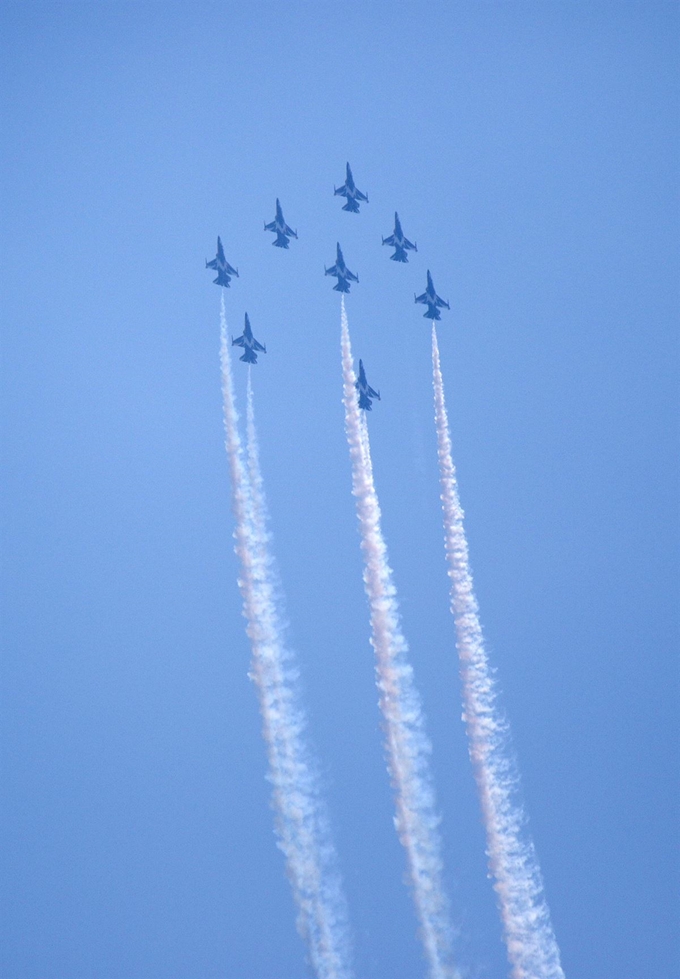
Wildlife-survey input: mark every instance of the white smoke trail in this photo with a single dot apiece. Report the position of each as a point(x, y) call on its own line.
point(301, 823)
point(529, 937)
point(407, 745)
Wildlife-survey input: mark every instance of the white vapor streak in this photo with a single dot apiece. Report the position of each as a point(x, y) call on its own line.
point(301, 825)
point(529, 938)
point(407, 745)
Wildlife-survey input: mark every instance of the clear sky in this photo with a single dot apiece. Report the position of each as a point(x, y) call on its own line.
point(531, 150)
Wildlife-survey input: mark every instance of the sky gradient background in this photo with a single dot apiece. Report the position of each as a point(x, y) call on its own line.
point(531, 151)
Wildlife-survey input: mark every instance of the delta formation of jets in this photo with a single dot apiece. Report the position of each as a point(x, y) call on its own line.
point(283, 233)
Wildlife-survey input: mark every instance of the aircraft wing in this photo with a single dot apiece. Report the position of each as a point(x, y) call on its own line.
point(289, 231)
point(359, 196)
point(341, 191)
point(230, 271)
point(239, 342)
point(423, 299)
point(258, 346)
point(438, 301)
point(409, 244)
point(372, 394)
point(211, 265)
point(351, 276)
point(333, 270)
point(390, 241)
point(271, 226)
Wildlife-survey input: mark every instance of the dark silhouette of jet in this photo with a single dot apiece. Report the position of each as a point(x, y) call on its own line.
point(222, 267)
point(351, 192)
point(251, 345)
point(280, 228)
point(366, 392)
point(432, 300)
point(342, 273)
point(399, 242)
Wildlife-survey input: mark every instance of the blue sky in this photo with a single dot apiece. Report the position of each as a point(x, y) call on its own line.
point(531, 151)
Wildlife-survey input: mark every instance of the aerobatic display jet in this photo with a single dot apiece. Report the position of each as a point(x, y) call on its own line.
point(249, 343)
point(432, 300)
point(351, 192)
point(280, 228)
point(221, 266)
point(342, 273)
point(366, 392)
point(399, 242)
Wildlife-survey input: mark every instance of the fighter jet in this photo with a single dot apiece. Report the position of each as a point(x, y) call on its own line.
point(366, 392)
point(280, 228)
point(342, 273)
point(222, 267)
point(432, 300)
point(399, 242)
point(251, 345)
point(351, 192)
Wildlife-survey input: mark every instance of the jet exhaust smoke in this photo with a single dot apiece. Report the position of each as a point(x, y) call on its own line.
point(530, 941)
point(301, 824)
point(407, 746)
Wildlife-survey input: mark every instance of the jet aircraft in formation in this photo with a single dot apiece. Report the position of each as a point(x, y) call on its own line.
point(350, 190)
point(341, 272)
point(366, 392)
point(222, 267)
point(433, 302)
point(399, 242)
point(280, 228)
point(249, 343)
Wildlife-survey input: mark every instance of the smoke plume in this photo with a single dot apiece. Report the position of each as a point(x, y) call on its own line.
point(406, 743)
point(301, 824)
point(529, 938)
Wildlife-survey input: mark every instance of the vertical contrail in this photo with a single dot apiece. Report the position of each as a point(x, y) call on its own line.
point(407, 745)
point(301, 824)
point(529, 938)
